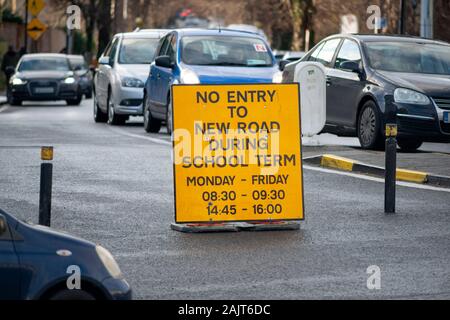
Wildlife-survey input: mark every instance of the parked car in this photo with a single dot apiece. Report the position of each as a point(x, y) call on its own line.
point(81, 69)
point(364, 70)
point(293, 55)
point(123, 70)
point(34, 264)
point(203, 56)
point(41, 77)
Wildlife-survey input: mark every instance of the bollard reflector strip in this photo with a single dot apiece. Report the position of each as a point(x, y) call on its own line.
point(47, 153)
point(391, 130)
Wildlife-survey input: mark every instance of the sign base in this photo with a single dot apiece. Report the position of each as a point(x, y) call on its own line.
point(235, 226)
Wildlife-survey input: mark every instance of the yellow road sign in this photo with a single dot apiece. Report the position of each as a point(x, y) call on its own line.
point(237, 153)
point(36, 28)
point(35, 6)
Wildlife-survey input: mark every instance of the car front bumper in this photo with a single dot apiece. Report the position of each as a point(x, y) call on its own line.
point(30, 91)
point(128, 101)
point(425, 122)
point(118, 289)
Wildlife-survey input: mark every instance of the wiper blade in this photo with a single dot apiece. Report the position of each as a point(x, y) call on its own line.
point(224, 64)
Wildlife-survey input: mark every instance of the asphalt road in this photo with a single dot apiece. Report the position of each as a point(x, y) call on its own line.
point(114, 186)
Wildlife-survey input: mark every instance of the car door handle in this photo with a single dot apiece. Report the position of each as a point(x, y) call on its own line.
point(158, 76)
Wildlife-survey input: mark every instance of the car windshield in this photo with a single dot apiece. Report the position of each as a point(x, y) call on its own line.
point(138, 51)
point(409, 57)
point(44, 64)
point(225, 51)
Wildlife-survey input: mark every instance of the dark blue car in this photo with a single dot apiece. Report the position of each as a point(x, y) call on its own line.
point(197, 56)
point(36, 262)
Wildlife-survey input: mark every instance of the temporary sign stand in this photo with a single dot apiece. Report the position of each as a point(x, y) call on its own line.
point(237, 158)
point(312, 79)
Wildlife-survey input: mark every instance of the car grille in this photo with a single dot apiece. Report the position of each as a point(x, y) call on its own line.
point(442, 103)
point(43, 88)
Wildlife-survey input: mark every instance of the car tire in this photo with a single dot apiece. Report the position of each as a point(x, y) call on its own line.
point(74, 102)
point(15, 102)
point(369, 127)
point(169, 116)
point(76, 295)
point(409, 144)
point(114, 118)
point(151, 125)
point(99, 115)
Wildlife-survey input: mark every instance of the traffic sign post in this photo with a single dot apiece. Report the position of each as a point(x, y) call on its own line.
point(237, 156)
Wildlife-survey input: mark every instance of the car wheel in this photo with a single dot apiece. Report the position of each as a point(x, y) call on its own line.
point(369, 127)
point(113, 118)
point(72, 295)
point(408, 144)
point(169, 119)
point(151, 124)
point(15, 102)
point(99, 115)
point(74, 102)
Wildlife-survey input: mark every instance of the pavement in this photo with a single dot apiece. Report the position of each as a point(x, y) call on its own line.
point(113, 186)
point(3, 100)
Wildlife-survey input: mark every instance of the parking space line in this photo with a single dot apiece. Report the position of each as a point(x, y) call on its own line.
point(380, 180)
point(154, 140)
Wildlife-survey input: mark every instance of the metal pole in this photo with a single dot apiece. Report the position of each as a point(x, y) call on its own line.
point(25, 45)
point(45, 194)
point(390, 156)
point(402, 16)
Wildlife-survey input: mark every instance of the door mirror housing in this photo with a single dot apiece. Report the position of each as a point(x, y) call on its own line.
point(3, 226)
point(104, 61)
point(164, 62)
point(282, 64)
point(351, 66)
point(9, 71)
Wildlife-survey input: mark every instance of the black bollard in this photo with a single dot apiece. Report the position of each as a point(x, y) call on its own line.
point(391, 168)
point(45, 194)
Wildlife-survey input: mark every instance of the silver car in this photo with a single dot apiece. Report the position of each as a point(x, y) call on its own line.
point(123, 69)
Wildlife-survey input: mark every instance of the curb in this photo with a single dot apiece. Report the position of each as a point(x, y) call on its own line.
point(345, 164)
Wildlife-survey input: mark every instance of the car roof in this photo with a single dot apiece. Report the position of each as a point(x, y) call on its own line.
point(144, 33)
point(44, 55)
point(223, 32)
point(75, 56)
point(388, 38)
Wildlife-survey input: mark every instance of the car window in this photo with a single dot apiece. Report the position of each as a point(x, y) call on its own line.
point(112, 55)
point(78, 63)
point(171, 49)
point(163, 50)
point(326, 54)
point(44, 64)
point(225, 51)
point(409, 57)
point(138, 50)
point(349, 52)
point(315, 53)
point(108, 48)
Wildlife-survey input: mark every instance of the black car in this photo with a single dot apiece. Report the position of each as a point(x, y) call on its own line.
point(365, 71)
point(42, 77)
point(82, 70)
point(36, 263)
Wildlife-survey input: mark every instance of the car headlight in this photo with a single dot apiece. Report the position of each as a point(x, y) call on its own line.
point(109, 262)
point(189, 77)
point(17, 82)
point(132, 83)
point(277, 77)
point(402, 95)
point(69, 80)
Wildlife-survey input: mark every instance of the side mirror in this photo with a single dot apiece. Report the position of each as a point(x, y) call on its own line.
point(104, 61)
point(3, 225)
point(351, 66)
point(282, 64)
point(163, 62)
point(9, 71)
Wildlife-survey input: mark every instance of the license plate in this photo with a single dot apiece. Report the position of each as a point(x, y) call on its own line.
point(446, 117)
point(44, 90)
